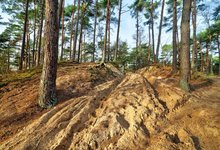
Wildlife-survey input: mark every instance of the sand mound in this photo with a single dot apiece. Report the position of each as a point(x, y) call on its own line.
point(142, 110)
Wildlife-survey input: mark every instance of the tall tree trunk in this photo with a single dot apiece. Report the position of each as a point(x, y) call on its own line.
point(149, 46)
point(24, 36)
point(152, 28)
point(137, 30)
point(208, 48)
point(34, 36)
point(81, 28)
point(118, 31)
point(47, 90)
point(8, 60)
point(81, 48)
point(94, 34)
point(63, 32)
point(84, 46)
point(137, 38)
point(28, 48)
point(37, 40)
point(76, 31)
point(160, 30)
point(29, 53)
point(174, 36)
point(106, 32)
point(178, 45)
point(26, 57)
point(210, 63)
point(61, 5)
point(40, 32)
point(185, 49)
point(194, 50)
point(109, 35)
point(80, 36)
point(60, 9)
point(218, 44)
point(71, 30)
point(202, 59)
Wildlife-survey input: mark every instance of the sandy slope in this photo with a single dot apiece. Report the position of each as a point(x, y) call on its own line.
point(143, 110)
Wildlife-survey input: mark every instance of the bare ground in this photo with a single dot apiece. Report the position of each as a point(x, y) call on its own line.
point(102, 109)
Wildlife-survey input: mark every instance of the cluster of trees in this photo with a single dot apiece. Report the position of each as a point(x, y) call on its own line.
point(84, 32)
point(48, 31)
point(204, 45)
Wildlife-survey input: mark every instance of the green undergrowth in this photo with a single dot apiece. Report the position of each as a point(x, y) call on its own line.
point(13, 76)
point(5, 79)
point(199, 76)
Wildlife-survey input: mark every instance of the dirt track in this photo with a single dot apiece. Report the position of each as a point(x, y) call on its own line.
point(141, 110)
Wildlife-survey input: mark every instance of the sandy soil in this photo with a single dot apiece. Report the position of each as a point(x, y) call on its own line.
point(102, 109)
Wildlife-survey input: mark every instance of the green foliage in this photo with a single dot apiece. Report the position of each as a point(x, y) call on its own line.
point(122, 53)
point(216, 63)
point(87, 51)
point(8, 47)
point(166, 54)
point(138, 57)
point(168, 19)
point(18, 76)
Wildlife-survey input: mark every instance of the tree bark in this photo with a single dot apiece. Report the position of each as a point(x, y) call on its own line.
point(137, 37)
point(28, 48)
point(106, 32)
point(61, 5)
point(149, 46)
point(178, 45)
point(76, 31)
point(118, 31)
point(109, 31)
point(37, 40)
point(80, 36)
point(24, 36)
point(194, 50)
point(202, 59)
point(34, 36)
point(84, 47)
point(185, 49)
point(63, 32)
point(174, 66)
point(152, 28)
point(71, 29)
point(60, 9)
point(81, 29)
point(40, 32)
point(94, 34)
point(160, 30)
point(208, 47)
point(8, 60)
point(47, 90)
point(137, 30)
point(218, 44)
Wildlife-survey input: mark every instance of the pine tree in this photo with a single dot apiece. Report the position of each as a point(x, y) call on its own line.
point(24, 36)
point(47, 90)
point(185, 48)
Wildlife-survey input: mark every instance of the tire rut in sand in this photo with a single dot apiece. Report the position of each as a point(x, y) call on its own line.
point(127, 119)
point(55, 129)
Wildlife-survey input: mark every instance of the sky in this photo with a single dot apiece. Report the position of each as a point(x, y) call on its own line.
point(128, 28)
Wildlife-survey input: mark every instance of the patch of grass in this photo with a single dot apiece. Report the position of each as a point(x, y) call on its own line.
point(199, 76)
point(16, 76)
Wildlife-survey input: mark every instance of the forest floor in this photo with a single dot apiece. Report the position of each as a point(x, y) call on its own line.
point(100, 108)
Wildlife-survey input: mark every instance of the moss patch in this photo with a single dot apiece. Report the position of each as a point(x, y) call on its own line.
point(17, 76)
